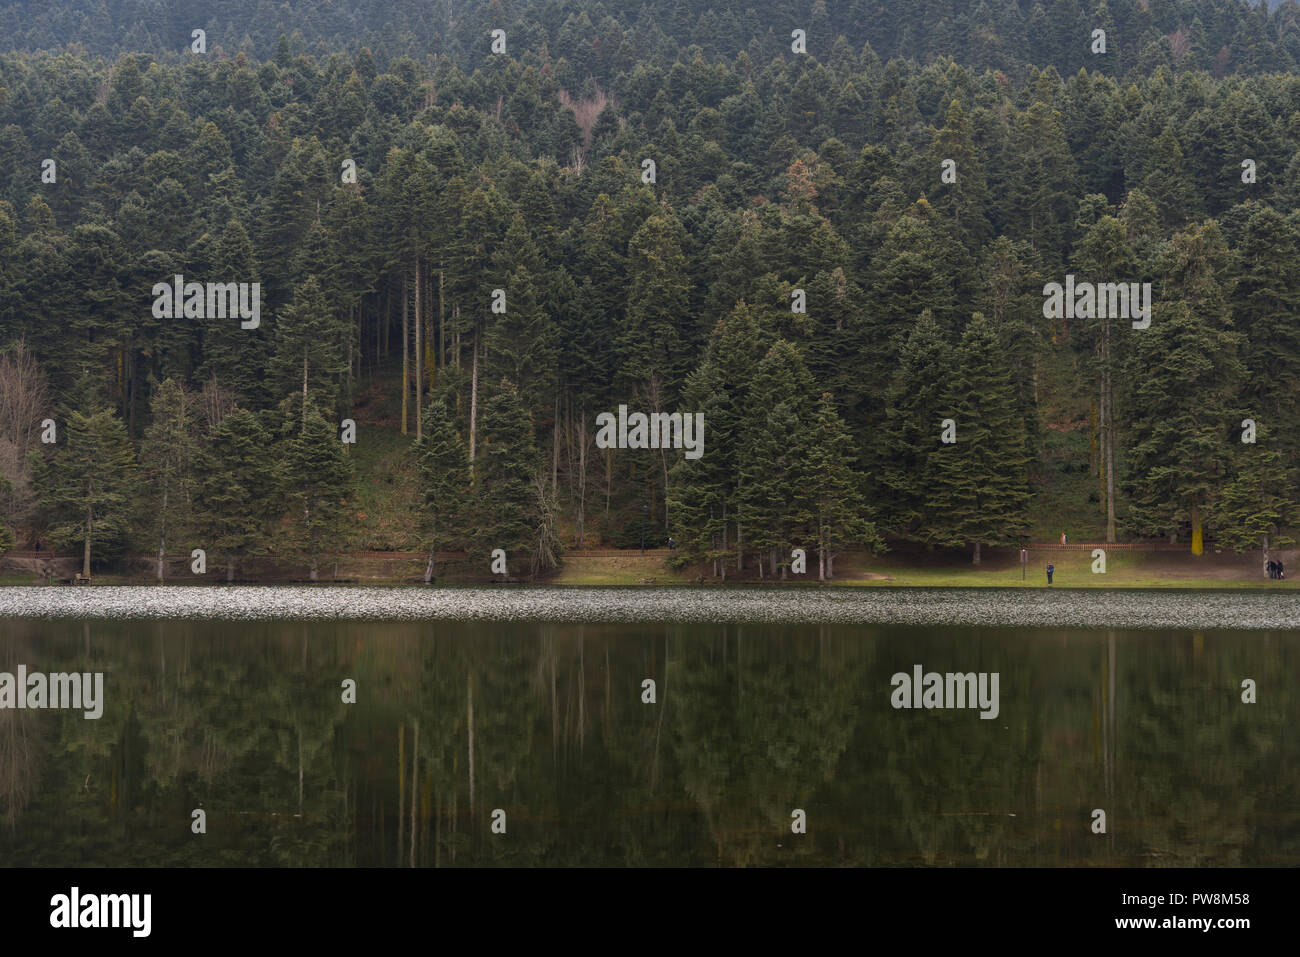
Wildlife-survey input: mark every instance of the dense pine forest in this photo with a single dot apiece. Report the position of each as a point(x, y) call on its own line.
point(829, 229)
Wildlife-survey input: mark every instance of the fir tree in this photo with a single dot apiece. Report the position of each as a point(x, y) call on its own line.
point(1255, 504)
point(317, 481)
point(444, 480)
point(85, 487)
point(503, 475)
point(981, 491)
point(1183, 374)
point(168, 455)
point(235, 490)
point(838, 511)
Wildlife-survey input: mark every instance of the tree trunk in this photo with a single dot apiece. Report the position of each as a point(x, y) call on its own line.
point(419, 357)
point(722, 562)
point(162, 537)
point(582, 471)
point(609, 477)
point(1198, 542)
point(406, 374)
point(740, 541)
point(473, 399)
point(85, 553)
point(428, 569)
point(1108, 435)
point(976, 559)
point(304, 391)
point(555, 446)
point(821, 563)
point(130, 391)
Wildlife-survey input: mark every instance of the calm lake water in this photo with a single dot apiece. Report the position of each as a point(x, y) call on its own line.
point(457, 720)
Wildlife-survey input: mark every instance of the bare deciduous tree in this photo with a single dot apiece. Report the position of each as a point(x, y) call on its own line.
point(24, 397)
point(24, 402)
point(215, 403)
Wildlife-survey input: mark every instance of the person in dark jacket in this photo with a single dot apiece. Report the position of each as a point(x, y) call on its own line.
point(1050, 568)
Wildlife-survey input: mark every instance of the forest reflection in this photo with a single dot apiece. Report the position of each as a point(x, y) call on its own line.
point(548, 724)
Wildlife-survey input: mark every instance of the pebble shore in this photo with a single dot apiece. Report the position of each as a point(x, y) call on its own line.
point(1018, 608)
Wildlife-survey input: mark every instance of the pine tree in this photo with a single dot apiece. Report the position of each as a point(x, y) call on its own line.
point(307, 357)
point(236, 489)
point(85, 487)
point(1256, 503)
point(1265, 301)
point(773, 506)
point(1041, 180)
point(916, 403)
point(772, 497)
point(1183, 376)
point(838, 510)
point(168, 456)
point(444, 480)
point(651, 339)
point(965, 201)
point(317, 481)
point(231, 354)
point(981, 490)
point(1167, 182)
point(1105, 257)
point(503, 475)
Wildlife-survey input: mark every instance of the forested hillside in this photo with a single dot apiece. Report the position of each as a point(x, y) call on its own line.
point(605, 39)
point(838, 257)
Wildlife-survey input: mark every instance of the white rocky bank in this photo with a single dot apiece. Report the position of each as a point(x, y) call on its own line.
point(1021, 608)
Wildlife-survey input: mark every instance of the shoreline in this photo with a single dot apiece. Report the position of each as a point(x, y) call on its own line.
point(1124, 568)
point(956, 607)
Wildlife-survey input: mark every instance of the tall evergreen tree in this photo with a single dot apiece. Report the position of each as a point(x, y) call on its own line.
point(308, 355)
point(981, 491)
point(168, 455)
point(235, 494)
point(444, 480)
point(504, 472)
point(1184, 375)
point(838, 509)
point(317, 482)
point(85, 487)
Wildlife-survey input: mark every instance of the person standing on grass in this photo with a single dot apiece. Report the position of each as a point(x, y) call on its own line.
point(1050, 568)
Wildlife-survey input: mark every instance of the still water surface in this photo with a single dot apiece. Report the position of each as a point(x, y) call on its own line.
point(546, 722)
